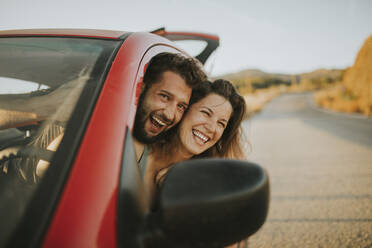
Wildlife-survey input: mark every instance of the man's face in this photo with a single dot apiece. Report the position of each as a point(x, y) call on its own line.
point(161, 106)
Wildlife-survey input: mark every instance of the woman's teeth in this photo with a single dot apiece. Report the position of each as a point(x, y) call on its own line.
point(198, 134)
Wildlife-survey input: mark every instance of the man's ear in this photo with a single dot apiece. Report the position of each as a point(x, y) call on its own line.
point(139, 89)
point(140, 85)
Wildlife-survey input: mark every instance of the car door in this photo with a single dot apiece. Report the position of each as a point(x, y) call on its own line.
point(68, 74)
point(93, 184)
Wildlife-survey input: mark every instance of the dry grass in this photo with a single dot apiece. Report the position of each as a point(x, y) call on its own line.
point(340, 100)
point(354, 93)
point(256, 101)
point(300, 87)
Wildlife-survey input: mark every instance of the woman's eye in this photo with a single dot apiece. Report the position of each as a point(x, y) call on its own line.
point(223, 125)
point(205, 112)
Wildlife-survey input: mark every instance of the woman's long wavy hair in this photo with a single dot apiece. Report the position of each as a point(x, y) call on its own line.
point(230, 144)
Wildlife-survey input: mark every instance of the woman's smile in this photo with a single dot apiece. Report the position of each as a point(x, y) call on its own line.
point(200, 137)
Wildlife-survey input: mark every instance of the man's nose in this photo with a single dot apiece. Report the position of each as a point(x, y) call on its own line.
point(170, 112)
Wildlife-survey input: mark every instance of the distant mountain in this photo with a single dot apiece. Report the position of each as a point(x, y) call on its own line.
point(247, 81)
point(332, 74)
point(255, 73)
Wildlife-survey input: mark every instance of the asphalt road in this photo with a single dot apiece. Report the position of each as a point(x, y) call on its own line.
point(320, 168)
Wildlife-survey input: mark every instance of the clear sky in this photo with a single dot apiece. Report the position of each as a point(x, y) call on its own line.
point(287, 36)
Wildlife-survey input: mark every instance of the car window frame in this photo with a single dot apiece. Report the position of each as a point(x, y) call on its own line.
point(27, 232)
point(128, 155)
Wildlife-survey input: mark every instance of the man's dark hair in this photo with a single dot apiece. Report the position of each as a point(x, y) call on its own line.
point(188, 68)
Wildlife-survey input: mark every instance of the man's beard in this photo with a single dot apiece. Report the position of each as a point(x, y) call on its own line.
point(139, 132)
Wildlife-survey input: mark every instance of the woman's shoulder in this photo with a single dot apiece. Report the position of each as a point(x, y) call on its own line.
point(160, 176)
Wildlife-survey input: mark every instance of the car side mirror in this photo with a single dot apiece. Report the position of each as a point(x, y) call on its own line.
point(212, 202)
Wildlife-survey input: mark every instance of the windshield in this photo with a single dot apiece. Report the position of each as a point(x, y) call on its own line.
point(41, 80)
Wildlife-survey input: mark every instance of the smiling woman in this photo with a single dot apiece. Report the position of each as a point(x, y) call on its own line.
point(209, 128)
point(213, 98)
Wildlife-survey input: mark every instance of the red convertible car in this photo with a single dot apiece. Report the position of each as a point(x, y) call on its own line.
point(68, 174)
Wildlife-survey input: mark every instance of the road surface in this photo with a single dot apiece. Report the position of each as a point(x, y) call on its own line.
point(320, 168)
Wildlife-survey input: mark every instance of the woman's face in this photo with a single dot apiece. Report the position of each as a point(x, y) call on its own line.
point(204, 123)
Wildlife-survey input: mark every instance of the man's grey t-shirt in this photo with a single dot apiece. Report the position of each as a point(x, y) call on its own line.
point(142, 162)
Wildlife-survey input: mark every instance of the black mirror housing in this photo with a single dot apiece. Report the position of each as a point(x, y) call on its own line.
point(213, 202)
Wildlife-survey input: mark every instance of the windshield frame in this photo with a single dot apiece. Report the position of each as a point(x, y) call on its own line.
point(33, 225)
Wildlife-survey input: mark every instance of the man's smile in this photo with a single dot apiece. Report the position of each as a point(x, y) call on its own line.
point(158, 123)
point(156, 120)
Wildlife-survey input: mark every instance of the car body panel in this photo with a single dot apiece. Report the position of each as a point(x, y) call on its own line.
point(91, 33)
point(212, 41)
point(184, 35)
point(87, 210)
point(38, 205)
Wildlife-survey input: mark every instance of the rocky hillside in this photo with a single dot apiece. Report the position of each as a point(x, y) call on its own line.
point(354, 93)
point(358, 79)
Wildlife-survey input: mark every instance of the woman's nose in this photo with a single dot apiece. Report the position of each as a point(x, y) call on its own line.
point(211, 126)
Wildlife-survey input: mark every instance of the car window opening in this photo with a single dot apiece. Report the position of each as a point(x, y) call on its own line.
point(41, 80)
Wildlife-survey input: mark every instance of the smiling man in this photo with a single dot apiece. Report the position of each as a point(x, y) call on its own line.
point(166, 90)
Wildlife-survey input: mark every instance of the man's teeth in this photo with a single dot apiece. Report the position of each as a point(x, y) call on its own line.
point(200, 135)
point(161, 123)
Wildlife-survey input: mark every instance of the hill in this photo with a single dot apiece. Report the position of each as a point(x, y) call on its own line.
point(259, 87)
point(250, 80)
point(354, 92)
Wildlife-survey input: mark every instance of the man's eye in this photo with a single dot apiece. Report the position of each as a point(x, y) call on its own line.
point(182, 107)
point(165, 97)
